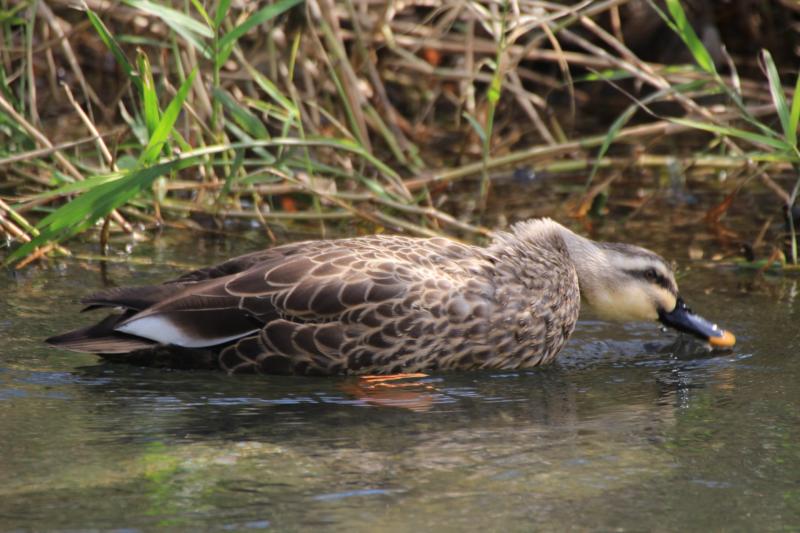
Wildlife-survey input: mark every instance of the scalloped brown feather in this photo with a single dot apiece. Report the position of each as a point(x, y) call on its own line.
point(369, 305)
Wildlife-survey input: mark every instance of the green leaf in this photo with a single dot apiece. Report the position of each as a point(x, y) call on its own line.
point(475, 126)
point(273, 111)
point(77, 186)
point(222, 10)
point(9, 16)
point(191, 30)
point(342, 144)
point(794, 114)
point(164, 127)
point(778, 97)
point(756, 138)
point(238, 161)
point(272, 90)
point(176, 20)
point(82, 212)
point(626, 115)
point(127, 162)
point(241, 115)
point(152, 113)
point(115, 49)
point(605, 75)
point(136, 123)
point(375, 187)
point(767, 157)
point(680, 25)
point(266, 158)
point(259, 17)
point(623, 119)
point(203, 13)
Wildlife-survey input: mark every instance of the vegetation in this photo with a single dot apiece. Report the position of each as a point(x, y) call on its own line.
point(129, 115)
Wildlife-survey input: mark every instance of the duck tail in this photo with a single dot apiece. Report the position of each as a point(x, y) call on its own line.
point(101, 338)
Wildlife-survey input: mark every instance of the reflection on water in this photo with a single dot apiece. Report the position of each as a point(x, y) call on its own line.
point(628, 430)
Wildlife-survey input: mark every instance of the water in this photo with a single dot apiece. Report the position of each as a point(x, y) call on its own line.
point(629, 430)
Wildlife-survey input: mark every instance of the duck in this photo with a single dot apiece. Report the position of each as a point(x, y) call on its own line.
point(388, 304)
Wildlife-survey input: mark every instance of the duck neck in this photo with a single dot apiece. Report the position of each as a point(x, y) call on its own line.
point(587, 256)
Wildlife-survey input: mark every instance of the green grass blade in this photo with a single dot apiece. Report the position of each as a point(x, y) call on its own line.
point(192, 31)
point(272, 90)
point(755, 138)
point(249, 122)
point(73, 212)
point(4, 85)
point(626, 115)
point(238, 162)
point(767, 157)
point(76, 186)
point(261, 16)
point(356, 148)
point(387, 133)
point(375, 187)
point(164, 127)
point(9, 15)
point(617, 125)
point(150, 107)
point(82, 212)
point(794, 114)
point(136, 124)
point(680, 25)
point(222, 11)
point(176, 20)
point(115, 49)
point(605, 75)
point(265, 157)
point(778, 97)
point(475, 126)
point(203, 13)
point(109, 192)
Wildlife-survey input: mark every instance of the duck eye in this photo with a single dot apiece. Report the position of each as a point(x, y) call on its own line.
point(650, 274)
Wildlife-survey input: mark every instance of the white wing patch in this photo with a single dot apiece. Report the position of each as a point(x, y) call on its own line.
point(160, 329)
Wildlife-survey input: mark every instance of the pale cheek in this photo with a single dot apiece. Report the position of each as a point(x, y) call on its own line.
point(631, 305)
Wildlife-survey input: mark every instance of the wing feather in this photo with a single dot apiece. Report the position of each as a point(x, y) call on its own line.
point(318, 285)
point(335, 290)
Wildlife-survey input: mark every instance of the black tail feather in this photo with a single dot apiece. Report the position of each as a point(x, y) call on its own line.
point(101, 338)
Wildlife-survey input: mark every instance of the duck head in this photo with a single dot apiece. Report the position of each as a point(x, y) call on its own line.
point(628, 283)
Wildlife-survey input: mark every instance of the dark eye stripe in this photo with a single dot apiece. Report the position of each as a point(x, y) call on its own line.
point(660, 279)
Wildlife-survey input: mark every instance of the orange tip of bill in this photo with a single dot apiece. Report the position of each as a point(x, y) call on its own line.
point(726, 340)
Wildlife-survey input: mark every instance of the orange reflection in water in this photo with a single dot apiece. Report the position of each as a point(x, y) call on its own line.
point(393, 391)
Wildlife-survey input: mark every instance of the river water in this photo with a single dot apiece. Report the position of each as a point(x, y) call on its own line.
point(632, 429)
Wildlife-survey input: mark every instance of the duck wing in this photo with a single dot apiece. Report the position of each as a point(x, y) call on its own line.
point(321, 306)
point(381, 309)
point(247, 261)
point(142, 297)
point(301, 282)
point(315, 285)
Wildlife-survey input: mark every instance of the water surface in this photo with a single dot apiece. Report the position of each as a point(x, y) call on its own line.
point(632, 429)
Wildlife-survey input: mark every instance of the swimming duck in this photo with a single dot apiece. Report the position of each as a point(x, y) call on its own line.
point(388, 304)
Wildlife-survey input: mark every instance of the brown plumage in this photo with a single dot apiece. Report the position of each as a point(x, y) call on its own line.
point(369, 305)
